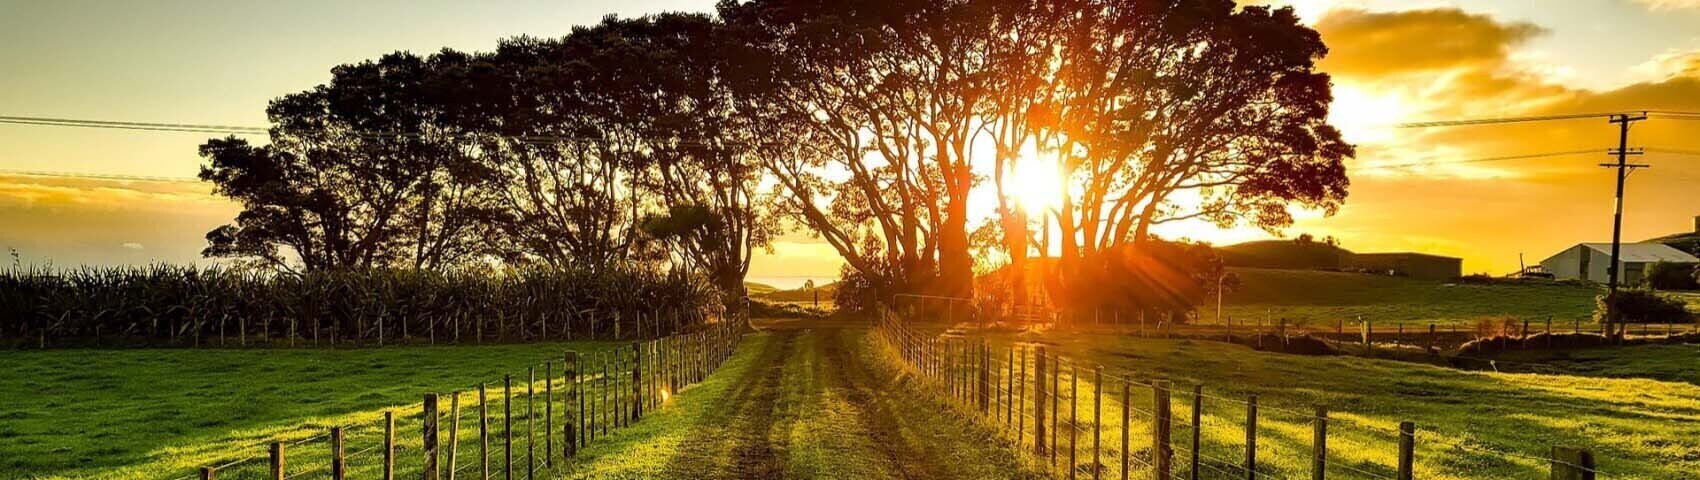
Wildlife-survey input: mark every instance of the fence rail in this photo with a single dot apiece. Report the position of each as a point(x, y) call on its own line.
point(1055, 408)
point(518, 427)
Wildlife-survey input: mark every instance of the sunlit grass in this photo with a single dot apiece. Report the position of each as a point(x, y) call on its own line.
point(1321, 299)
point(1474, 425)
point(165, 413)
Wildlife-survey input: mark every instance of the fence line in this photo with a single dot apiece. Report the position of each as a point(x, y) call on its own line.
point(511, 435)
point(1064, 421)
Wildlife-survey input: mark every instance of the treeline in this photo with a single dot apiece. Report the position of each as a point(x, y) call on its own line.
point(680, 143)
point(215, 306)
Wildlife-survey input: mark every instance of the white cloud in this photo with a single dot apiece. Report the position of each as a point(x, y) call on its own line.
point(1662, 5)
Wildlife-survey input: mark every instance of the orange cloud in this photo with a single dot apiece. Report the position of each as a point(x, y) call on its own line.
point(74, 221)
point(1444, 64)
point(1373, 43)
point(1662, 5)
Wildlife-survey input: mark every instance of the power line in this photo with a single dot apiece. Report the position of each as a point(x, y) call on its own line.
point(72, 122)
point(1673, 151)
point(534, 140)
point(1482, 160)
point(1505, 120)
point(98, 176)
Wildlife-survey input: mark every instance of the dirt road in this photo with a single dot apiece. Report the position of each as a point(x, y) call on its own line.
point(803, 401)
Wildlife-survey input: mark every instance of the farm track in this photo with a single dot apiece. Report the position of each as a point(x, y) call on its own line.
point(813, 404)
point(745, 419)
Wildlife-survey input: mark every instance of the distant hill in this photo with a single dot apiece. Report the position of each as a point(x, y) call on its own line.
point(827, 292)
point(755, 288)
point(1285, 254)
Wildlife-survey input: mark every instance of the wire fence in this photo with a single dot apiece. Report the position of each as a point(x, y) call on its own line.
point(525, 425)
point(1089, 420)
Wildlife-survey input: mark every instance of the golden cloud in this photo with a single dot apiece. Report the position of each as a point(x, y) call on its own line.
point(1444, 64)
point(1381, 43)
point(1662, 5)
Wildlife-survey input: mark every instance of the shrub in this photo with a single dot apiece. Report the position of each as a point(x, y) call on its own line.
point(1640, 306)
point(1671, 276)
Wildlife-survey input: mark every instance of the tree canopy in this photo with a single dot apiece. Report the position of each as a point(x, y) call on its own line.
point(685, 141)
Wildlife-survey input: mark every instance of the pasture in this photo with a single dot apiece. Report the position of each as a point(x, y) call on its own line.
point(157, 413)
point(1470, 425)
point(1322, 298)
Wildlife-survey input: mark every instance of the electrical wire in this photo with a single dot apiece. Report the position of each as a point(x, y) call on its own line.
point(1480, 160)
point(1506, 120)
point(98, 176)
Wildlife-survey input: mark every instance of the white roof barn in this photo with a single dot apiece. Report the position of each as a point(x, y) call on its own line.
point(1589, 261)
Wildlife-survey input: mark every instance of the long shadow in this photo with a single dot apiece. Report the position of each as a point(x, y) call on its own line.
point(1471, 424)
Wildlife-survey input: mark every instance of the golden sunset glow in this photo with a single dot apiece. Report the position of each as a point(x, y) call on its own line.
point(1390, 62)
point(1035, 186)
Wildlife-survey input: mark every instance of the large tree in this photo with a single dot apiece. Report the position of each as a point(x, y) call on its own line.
point(357, 174)
point(1174, 110)
point(882, 100)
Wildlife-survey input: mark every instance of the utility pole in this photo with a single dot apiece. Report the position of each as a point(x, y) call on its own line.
point(1623, 168)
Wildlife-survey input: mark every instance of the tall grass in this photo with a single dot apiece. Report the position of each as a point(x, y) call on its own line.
point(178, 305)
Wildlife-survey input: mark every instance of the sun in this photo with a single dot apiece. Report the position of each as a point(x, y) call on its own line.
point(1365, 115)
point(1035, 185)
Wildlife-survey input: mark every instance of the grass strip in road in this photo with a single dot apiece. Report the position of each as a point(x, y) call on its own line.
point(811, 403)
point(646, 449)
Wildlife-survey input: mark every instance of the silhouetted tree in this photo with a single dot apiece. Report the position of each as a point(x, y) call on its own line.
point(356, 175)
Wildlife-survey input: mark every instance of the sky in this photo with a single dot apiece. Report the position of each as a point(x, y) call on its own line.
point(219, 62)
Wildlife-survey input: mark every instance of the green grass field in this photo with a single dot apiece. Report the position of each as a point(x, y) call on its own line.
point(802, 402)
point(164, 413)
point(1322, 298)
point(1472, 425)
point(1666, 363)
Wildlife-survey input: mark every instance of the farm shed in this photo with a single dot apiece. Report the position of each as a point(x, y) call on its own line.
point(1410, 264)
point(1589, 261)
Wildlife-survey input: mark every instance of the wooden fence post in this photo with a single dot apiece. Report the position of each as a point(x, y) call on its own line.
point(483, 432)
point(1407, 447)
point(389, 445)
point(603, 396)
point(1039, 403)
point(1431, 339)
point(637, 381)
point(428, 421)
point(1073, 419)
point(454, 434)
point(1197, 421)
point(1572, 463)
point(1021, 399)
point(530, 422)
point(1056, 401)
point(570, 364)
point(1162, 452)
point(1097, 419)
point(208, 473)
point(1127, 425)
point(1009, 410)
point(337, 460)
point(548, 415)
point(277, 461)
point(985, 378)
point(508, 427)
point(1319, 443)
point(1251, 438)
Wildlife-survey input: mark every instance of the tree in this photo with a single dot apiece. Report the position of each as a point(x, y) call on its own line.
point(356, 175)
point(1159, 112)
point(620, 142)
point(883, 100)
